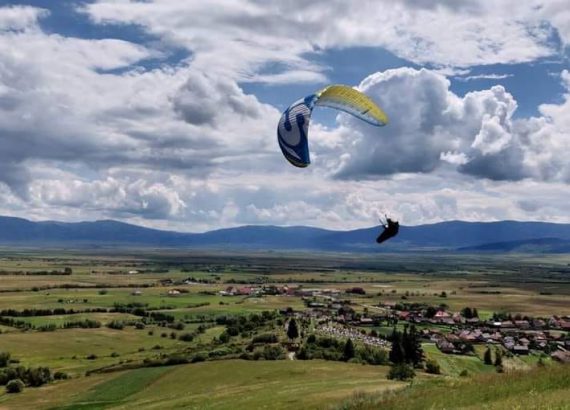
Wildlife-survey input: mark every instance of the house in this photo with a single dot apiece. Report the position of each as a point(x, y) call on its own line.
point(467, 336)
point(366, 321)
point(230, 291)
point(173, 292)
point(564, 324)
point(403, 315)
point(453, 338)
point(246, 291)
point(561, 356)
point(133, 272)
point(522, 324)
point(136, 292)
point(520, 349)
point(442, 314)
point(538, 323)
point(445, 346)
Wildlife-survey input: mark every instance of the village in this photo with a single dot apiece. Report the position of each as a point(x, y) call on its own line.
point(336, 315)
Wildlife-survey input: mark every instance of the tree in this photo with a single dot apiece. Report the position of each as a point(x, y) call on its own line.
point(348, 350)
point(397, 354)
point(487, 357)
point(467, 313)
point(412, 347)
point(15, 386)
point(292, 330)
point(475, 313)
point(430, 312)
point(498, 359)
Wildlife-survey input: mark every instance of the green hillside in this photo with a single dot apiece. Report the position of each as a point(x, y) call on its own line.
point(228, 384)
point(540, 388)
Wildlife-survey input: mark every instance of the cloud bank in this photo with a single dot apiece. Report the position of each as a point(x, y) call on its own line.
point(89, 130)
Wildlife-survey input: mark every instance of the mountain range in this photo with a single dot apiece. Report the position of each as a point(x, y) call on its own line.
point(502, 236)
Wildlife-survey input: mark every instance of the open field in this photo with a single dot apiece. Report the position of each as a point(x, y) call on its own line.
point(182, 291)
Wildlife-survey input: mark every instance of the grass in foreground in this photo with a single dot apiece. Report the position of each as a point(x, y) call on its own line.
point(540, 388)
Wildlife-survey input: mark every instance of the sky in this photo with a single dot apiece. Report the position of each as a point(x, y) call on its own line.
point(163, 113)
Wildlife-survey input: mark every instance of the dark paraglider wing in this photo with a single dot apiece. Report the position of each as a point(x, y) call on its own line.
point(388, 233)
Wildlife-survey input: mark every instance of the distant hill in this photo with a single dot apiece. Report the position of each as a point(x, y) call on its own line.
point(505, 236)
point(541, 245)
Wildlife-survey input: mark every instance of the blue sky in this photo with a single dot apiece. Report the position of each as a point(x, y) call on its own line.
point(163, 113)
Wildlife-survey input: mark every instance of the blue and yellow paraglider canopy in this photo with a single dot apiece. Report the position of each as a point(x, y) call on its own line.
point(293, 126)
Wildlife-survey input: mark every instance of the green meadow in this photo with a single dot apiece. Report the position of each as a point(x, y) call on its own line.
point(229, 384)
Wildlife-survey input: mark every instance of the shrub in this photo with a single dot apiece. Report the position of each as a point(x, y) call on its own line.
point(38, 376)
point(15, 386)
point(60, 376)
point(172, 360)
point(372, 355)
point(464, 373)
point(186, 337)
point(91, 357)
point(141, 326)
point(199, 357)
point(401, 372)
point(273, 352)
point(265, 338)
point(116, 324)
point(115, 354)
point(224, 337)
point(232, 331)
point(4, 359)
point(177, 326)
point(432, 367)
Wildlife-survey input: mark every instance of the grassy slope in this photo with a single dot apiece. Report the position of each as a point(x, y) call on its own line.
point(228, 384)
point(453, 365)
point(56, 349)
point(540, 388)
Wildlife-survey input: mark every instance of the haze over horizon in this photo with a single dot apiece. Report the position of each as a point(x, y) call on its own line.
point(163, 113)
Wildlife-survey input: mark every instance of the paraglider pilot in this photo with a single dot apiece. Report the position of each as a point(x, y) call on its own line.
point(390, 230)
